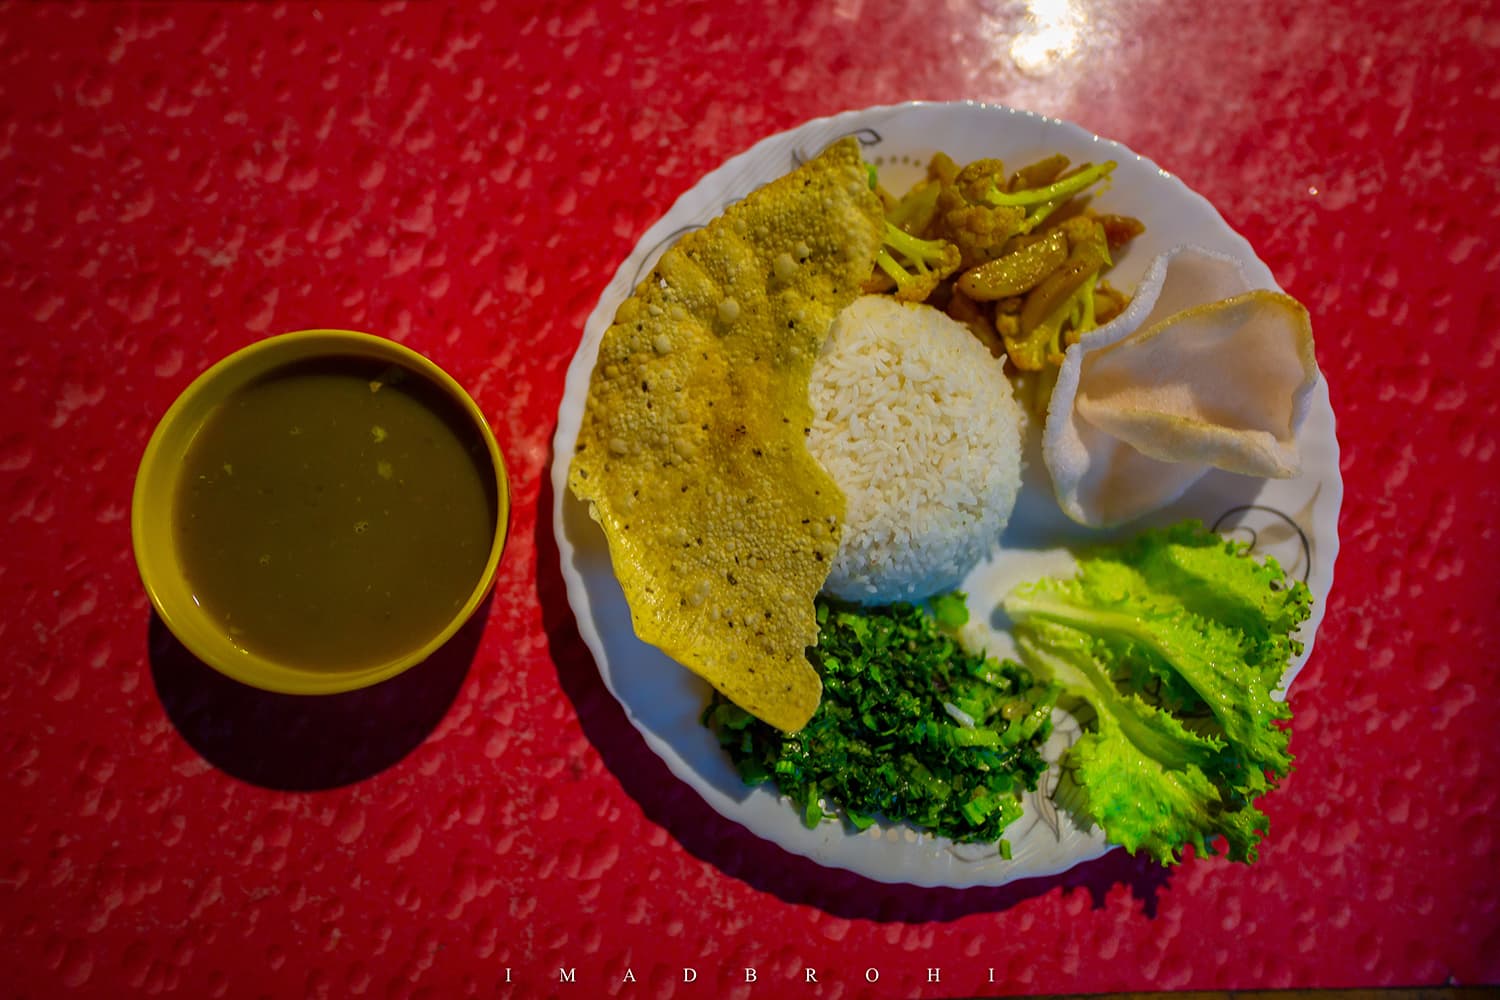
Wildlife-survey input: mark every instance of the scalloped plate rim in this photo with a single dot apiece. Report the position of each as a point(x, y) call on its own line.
point(725, 179)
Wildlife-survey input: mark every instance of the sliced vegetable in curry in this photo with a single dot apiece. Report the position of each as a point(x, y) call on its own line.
point(1019, 259)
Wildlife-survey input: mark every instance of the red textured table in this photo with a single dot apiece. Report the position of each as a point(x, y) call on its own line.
point(178, 181)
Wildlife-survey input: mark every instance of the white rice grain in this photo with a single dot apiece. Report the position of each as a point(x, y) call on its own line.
point(918, 425)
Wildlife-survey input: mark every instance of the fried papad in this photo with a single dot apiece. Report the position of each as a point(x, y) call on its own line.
point(692, 455)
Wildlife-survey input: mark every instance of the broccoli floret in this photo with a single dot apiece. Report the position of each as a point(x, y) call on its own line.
point(927, 262)
point(1040, 202)
point(979, 230)
point(1056, 191)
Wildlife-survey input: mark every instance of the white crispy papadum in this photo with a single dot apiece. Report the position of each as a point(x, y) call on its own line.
point(1202, 370)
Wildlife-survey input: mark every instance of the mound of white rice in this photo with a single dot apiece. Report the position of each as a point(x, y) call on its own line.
point(918, 425)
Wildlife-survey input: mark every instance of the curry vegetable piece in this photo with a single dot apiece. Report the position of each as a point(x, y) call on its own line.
point(1063, 300)
point(1027, 286)
point(1018, 272)
point(691, 455)
point(1039, 174)
point(979, 229)
point(1041, 202)
point(1056, 193)
point(914, 211)
point(928, 262)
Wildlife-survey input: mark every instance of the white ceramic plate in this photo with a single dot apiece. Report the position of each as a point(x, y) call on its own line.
point(1296, 520)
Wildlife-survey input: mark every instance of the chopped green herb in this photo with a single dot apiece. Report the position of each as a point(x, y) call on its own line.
point(911, 727)
point(950, 610)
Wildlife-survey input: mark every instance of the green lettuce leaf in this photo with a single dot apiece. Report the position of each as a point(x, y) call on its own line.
point(1177, 640)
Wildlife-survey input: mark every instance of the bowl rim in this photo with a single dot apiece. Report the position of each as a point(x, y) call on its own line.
point(234, 370)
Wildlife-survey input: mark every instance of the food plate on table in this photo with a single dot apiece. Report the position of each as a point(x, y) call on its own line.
point(1291, 519)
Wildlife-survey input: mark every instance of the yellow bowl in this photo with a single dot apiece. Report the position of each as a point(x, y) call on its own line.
point(153, 512)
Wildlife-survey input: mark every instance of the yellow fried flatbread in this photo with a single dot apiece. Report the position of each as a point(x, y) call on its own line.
point(721, 525)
